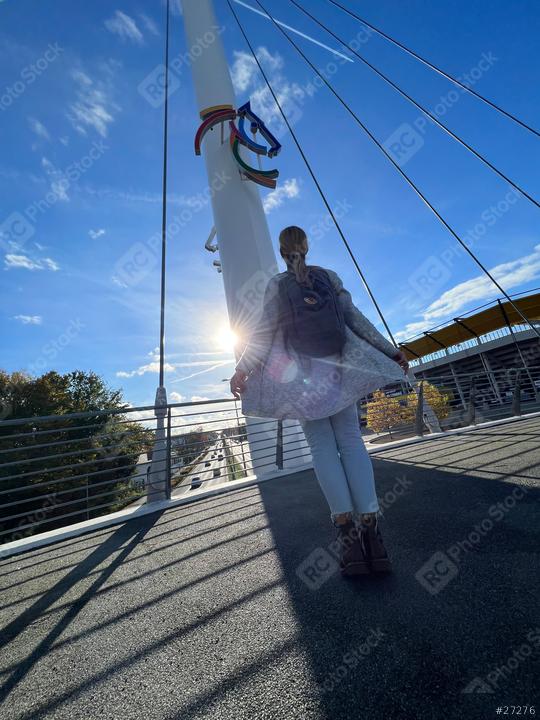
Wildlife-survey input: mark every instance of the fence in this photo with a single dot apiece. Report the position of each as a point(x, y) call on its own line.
point(458, 400)
point(58, 470)
point(63, 469)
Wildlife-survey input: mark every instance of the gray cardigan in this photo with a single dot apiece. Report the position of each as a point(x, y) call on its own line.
point(282, 384)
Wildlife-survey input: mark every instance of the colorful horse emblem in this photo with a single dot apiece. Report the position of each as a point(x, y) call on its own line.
point(238, 136)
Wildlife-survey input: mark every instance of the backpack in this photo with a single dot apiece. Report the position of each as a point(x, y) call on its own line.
point(312, 318)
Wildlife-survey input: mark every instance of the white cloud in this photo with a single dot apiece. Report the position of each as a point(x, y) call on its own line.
point(116, 280)
point(198, 398)
point(285, 191)
point(135, 198)
point(149, 24)
point(294, 30)
point(176, 7)
point(94, 234)
point(246, 77)
point(50, 264)
point(153, 367)
point(27, 263)
point(38, 128)
point(93, 107)
point(244, 70)
point(176, 397)
point(214, 366)
point(29, 319)
point(125, 27)
point(59, 182)
point(509, 275)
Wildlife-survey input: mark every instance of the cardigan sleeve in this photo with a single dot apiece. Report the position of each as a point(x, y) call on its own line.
point(260, 342)
point(358, 322)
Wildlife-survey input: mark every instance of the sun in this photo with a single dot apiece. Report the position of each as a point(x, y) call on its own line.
point(227, 339)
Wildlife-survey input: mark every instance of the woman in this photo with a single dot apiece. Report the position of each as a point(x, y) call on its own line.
point(311, 357)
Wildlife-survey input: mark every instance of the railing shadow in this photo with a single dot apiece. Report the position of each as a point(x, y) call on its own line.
point(130, 534)
point(234, 624)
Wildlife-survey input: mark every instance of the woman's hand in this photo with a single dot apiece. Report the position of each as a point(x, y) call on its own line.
point(238, 383)
point(401, 361)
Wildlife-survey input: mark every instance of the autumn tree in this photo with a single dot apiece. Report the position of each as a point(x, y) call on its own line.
point(383, 412)
point(437, 400)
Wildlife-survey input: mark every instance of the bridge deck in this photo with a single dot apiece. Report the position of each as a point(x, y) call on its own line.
point(200, 612)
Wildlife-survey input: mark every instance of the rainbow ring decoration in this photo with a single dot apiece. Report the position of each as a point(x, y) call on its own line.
point(220, 114)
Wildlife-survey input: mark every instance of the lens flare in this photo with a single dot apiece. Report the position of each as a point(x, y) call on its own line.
point(227, 339)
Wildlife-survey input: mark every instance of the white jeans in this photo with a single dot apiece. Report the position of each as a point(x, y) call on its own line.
point(341, 461)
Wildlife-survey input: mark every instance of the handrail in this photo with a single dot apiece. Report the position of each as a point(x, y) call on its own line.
point(112, 411)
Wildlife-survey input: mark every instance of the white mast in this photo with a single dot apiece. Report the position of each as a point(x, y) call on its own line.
point(245, 248)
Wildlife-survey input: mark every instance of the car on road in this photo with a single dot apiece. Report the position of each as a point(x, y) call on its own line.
point(207, 463)
point(217, 472)
point(220, 457)
point(196, 482)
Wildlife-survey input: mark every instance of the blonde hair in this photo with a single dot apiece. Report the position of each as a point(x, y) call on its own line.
point(293, 245)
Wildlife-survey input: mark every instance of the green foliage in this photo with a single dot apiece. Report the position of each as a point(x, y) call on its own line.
point(84, 471)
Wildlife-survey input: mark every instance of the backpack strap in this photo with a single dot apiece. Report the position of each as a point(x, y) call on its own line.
point(283, 309)
point(286, 312)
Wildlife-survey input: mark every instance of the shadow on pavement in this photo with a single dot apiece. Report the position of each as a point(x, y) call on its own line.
point(210, 610)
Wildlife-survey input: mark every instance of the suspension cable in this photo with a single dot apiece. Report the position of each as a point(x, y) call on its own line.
point(164, 205)
point(401, 172)
point(436, 69)
point(419, 106)
point(310, 170)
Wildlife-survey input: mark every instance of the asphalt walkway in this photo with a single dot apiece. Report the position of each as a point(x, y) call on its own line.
point(231, 607)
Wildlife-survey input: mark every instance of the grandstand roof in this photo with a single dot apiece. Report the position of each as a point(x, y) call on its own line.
point(499, 315)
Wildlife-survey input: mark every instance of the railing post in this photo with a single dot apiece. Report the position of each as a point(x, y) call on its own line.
point(516, 398)
point(157, 480)
point(279, 445)
point(169, 459)
point(470, 417)
point(419, 418)
point(240, 440)
point(431, 420)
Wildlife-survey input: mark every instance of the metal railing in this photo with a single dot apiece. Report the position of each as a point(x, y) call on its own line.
point(63, 469)
point(458, 399)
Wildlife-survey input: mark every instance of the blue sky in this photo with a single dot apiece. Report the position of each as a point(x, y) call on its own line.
point(80, 175)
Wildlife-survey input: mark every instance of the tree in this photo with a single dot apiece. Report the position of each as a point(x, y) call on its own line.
point(85, 466)
point(438, 401)
point(383, 412)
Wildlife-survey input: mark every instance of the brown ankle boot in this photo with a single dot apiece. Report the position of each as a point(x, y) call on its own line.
point(373, 542)
point(353, 559)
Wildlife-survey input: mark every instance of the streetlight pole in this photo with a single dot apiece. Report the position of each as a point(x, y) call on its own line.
point(157, 487)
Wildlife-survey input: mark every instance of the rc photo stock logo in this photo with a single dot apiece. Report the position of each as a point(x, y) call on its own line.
point(443, 567)
point(136, 263)
point(429, 277)
point(15, 231)
point(407, 140)
point(403, 144)
point(152, 88)
point(491, 681)
point(317, 568)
